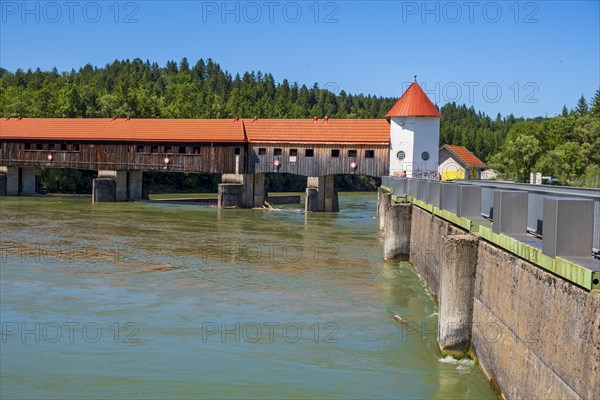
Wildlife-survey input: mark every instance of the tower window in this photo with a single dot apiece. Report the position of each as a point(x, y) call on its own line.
point(369, 153)
point(425, 156)
point(400, 155)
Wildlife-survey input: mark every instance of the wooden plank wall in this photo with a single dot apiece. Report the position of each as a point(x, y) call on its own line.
point(184, 157)
point(321, 163)
point(198, 158)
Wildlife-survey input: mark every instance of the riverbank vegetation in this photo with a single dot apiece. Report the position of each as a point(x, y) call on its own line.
point(565, 146)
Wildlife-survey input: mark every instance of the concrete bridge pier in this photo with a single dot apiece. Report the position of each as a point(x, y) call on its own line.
point(2, 184)
point(16, 181)
point(135, 185)
point(321, 195)
point(242, 191)
point(457, 279)
point(396, 235)
point(117, 186)
point(384, 199)
point(255, 191)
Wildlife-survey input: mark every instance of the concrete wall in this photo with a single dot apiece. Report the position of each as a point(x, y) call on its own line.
point(534, 334)
point(18, 181)
point(321, 195)
point(135, 190)
point(426, 249)
point(103, 190)
point(28, 180)
point(12, 180)
point(251, 192)
point(120, 178)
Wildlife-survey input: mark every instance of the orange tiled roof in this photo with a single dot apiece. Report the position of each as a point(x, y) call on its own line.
point(414, 103)
point(121, 129)
point(351, 131)
point(466, 156)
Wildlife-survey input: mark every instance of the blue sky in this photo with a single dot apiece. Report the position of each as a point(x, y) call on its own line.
point(527, 58)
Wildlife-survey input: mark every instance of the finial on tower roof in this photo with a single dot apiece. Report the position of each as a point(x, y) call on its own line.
point(415, 78)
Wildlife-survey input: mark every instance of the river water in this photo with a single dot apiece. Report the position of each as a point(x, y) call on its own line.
point(147, 300)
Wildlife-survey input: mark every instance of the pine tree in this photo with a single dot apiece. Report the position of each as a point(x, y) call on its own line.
point(184, 66)
point(582, 107)
point(596, 104)
point(565, 111)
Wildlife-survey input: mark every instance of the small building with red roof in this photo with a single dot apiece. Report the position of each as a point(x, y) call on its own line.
point(456, 162)
point(414, 134)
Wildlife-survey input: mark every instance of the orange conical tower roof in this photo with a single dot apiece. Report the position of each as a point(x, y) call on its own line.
point(414, 103)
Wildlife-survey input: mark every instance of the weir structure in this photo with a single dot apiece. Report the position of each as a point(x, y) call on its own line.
point(519, 294)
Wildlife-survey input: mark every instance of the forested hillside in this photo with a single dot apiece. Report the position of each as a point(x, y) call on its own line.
point(566, 146)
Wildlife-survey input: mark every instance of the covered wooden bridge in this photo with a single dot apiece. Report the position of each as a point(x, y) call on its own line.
point(242, 150)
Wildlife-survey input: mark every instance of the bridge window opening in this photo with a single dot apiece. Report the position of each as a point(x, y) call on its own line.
point(63, 147)
point(168, 149)
point(277, 152)
point(74, 147)
point(335, 153)
point(36, 146)
point(352, 153)
point(27, 146)
point(309, 153)
point(237, 151)
point(154, 149)
point(293, 155)
point(196, 150)
point(182, 150)
point(140, 148)
point(51, 146)
point(262, 151)
point(369, 153)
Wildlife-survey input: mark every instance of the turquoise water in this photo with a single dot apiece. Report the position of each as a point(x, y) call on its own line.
point(146, 300)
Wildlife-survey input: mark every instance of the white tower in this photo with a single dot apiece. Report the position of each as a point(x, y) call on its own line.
point(414, 134)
